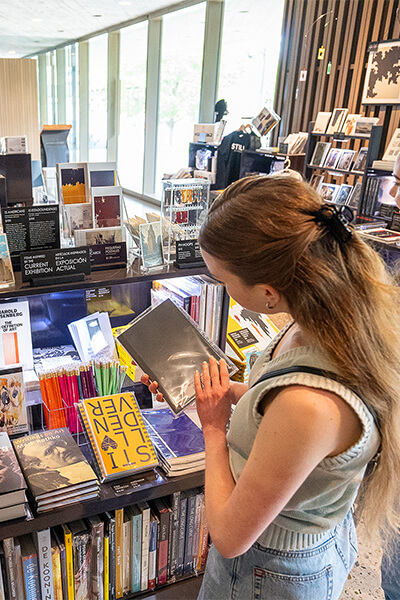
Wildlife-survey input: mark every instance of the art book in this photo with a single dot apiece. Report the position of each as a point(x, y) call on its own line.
point(6, 269)
point(118, 435)
point(13, 415)
point(52, 461)
point(107, 206)
point(170, 347)
point(15, 335)
point(12, 482)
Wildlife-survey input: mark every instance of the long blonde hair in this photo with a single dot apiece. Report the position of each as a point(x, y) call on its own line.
point(341, 295)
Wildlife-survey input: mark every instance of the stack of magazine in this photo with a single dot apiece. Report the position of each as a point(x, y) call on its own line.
point(12, 482)
point(55, 469)
point(178, 440)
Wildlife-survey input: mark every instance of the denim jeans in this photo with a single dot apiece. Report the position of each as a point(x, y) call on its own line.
point(390, 570)
point(316, 573)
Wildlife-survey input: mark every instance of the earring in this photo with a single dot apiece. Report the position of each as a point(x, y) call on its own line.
point(268, 306)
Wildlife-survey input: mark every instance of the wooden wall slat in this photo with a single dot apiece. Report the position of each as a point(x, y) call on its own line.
point(355, 24)
point(19, 111)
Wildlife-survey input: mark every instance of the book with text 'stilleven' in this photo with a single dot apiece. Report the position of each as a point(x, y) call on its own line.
point(12, 482)
point(178, 440)
point(117, 435)
point(180, 351)
point(50, 461)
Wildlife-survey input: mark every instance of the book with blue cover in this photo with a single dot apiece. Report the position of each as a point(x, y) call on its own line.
point(179, 442)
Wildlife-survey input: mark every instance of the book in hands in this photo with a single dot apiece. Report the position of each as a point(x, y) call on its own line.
point(117, 435)
point(170, 347)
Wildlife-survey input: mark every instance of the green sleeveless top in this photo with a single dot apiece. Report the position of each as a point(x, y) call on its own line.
point(328, 493)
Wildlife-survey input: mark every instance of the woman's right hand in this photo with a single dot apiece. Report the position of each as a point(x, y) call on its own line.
point(153, 387)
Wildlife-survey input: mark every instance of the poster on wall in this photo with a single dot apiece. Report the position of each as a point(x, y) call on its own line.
point(382, 79)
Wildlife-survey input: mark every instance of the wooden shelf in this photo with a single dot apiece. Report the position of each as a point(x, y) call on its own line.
point(108, 500)
point(339, 171)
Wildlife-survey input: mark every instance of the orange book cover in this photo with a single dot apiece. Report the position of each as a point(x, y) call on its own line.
point(119, 437)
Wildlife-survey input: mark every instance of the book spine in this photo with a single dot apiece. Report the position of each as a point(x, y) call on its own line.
point(57, 577)
point(82, 560)
point(43, 546)
point(17, 557)
point(31, 576)
point(144, 579)
point(8, 545)
point(203, 532)
point(112, 556)
point(219, 294)
point(69, 562)
point(127, 556)
point(162, 547)
point(136, 551)
point(153, 552)
point(3, 570)
point(64, 575)
point(106, 572)
point(197, 527)
point(97, 561)
point(119, 544)
point(2, 588)
point(181, 536)
point(173, 535)
point(190, 519)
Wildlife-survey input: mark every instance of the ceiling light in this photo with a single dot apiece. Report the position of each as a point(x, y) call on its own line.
point(12, 52)
point(97, 15)
point(37, 20)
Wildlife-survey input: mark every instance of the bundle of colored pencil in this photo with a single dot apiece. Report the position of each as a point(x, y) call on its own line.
point(109, 377)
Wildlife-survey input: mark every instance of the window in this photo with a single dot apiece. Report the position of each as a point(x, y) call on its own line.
point(133, 52)
point(71, 100)
point(98, 59)
point(249, 57)
point(179, 102)
point(51, 78)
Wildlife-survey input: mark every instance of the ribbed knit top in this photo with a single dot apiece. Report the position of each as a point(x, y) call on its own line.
point(328, 493)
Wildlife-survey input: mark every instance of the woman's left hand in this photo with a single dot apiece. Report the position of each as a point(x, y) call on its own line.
point(214, 396)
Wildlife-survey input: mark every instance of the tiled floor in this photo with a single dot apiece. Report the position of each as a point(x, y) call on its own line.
point(364, 582)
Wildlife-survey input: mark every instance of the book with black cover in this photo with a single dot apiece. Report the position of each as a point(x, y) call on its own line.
point(51, 460)
point(12, 482)
point(169, 346)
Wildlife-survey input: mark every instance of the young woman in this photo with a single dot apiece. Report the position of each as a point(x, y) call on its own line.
point(283, 472)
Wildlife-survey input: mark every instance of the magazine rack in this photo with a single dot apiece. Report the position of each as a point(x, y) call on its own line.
point(183, 209)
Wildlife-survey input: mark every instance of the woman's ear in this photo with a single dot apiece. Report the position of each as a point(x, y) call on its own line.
point(273, 298)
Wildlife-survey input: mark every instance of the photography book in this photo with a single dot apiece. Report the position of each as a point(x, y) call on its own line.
point(13, 415)
point(170, 347)
point(118, 435)
point(178, 441)
point(51, 462)
point(12, 482)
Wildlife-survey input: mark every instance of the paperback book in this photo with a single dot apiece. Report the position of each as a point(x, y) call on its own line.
point(13, 415)
point(118, 435)
point(170, 347)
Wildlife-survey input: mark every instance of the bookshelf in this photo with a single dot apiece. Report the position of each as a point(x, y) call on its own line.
point(353, 142)
point(56, 299)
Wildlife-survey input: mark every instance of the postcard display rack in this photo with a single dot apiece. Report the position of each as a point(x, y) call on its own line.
point(347, 141)
point(183, 209)
point(133, 288)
